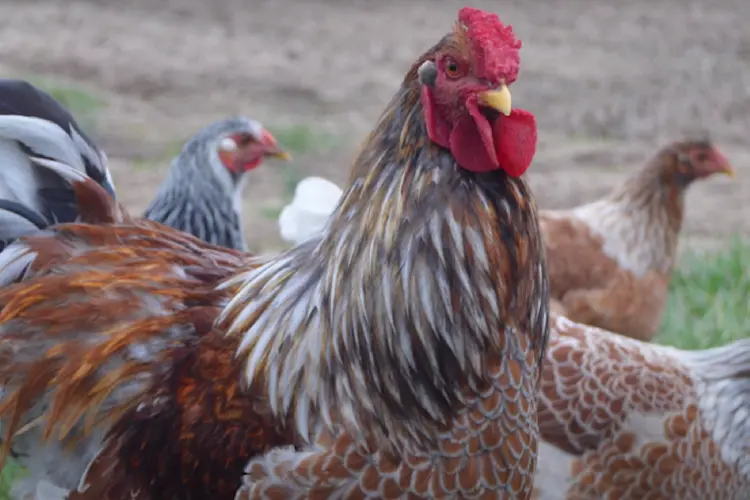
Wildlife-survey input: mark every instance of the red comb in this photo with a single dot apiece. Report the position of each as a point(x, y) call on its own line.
point(494, 46)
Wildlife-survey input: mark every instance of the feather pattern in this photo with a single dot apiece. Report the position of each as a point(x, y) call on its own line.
point(408, 334)
point(200, 195)
point(34, 126)
point(623, 419)
point(330, 322)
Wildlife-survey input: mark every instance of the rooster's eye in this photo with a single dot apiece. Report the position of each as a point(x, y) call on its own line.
point(452, 69)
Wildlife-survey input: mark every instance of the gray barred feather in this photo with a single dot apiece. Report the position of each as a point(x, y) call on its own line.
point(200, 196)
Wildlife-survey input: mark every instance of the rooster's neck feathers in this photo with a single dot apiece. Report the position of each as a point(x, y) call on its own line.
point(387, 322)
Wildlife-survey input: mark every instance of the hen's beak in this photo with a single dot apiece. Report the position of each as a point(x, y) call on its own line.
point(723, 166)
point(272, 149)
point(497, 99)
point(279, 155)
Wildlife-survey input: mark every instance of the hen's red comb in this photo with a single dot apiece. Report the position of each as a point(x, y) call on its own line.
point(494, 46)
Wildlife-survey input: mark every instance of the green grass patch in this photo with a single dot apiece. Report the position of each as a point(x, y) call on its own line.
point(10, 473)
point(302, 139)
point(297, 139)
point(84, 105)
point(708, 299)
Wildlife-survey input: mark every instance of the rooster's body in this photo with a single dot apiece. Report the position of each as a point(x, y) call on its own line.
point(626, 420)
point(396, 355)
point(610, 261)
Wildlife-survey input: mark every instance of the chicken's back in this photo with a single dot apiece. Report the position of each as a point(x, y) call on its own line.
point(628, 420)
point(605, 276)
point(107, 344)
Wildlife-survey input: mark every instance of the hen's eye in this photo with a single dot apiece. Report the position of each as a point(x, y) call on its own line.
point(452, 69)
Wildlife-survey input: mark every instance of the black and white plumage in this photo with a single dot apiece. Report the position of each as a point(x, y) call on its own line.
point(202, 194)
point(34, 126)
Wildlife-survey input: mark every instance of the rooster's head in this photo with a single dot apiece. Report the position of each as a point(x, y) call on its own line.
point(465, 83)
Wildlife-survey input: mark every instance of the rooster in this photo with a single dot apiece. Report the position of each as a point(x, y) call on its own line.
point(34, 125)
point(627, 420)
point(397, 354)
point(202, 194)
point(610, 261)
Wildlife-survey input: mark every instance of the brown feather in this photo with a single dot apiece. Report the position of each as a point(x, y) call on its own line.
point(634, 420)
point(610, 261)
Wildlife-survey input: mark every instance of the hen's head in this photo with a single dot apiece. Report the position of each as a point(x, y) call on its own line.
point(242, 144)
point(465, 94)
point(231, 146)
point(683, 162)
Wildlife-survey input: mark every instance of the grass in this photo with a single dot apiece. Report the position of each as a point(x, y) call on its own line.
point(298, 140)
point(301, 138)
point(11, 472)
point(707, 306)
point(83, 104)
point(708, 299)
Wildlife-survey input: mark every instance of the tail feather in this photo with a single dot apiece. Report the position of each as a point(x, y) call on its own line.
point(36, 129)
point(95, 204)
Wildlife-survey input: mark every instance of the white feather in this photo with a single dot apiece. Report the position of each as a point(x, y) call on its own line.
point(314, 200)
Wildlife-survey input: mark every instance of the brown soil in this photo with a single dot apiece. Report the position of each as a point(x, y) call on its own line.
point(609, 82)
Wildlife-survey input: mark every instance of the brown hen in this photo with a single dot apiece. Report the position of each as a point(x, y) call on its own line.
point(610, 261)
point(621, 419)
point(404, 342)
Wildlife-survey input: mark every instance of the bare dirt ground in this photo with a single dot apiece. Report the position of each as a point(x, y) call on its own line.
point(608, 80)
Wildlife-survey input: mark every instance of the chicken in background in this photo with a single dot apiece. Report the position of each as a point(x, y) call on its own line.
point(202, 194)
point(628, 420)
point(177, 361)
point(34, 125)
point(610, 261)
point(306, 215)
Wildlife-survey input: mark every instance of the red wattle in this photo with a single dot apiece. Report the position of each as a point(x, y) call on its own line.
point(469, 149)
point(515, 141)
point(438, 129)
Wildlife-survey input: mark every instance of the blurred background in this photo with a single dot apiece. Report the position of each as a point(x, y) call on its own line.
point(609, 81)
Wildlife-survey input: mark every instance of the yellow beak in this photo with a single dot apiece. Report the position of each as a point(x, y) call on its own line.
point(728, 171)
point(281, 155)
point(498, 99)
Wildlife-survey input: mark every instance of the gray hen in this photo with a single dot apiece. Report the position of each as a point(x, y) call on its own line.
point(202, 192)
point(35, 126)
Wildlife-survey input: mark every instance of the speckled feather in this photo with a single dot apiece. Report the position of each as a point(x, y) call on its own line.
point(625, 420)
point(406, 339)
